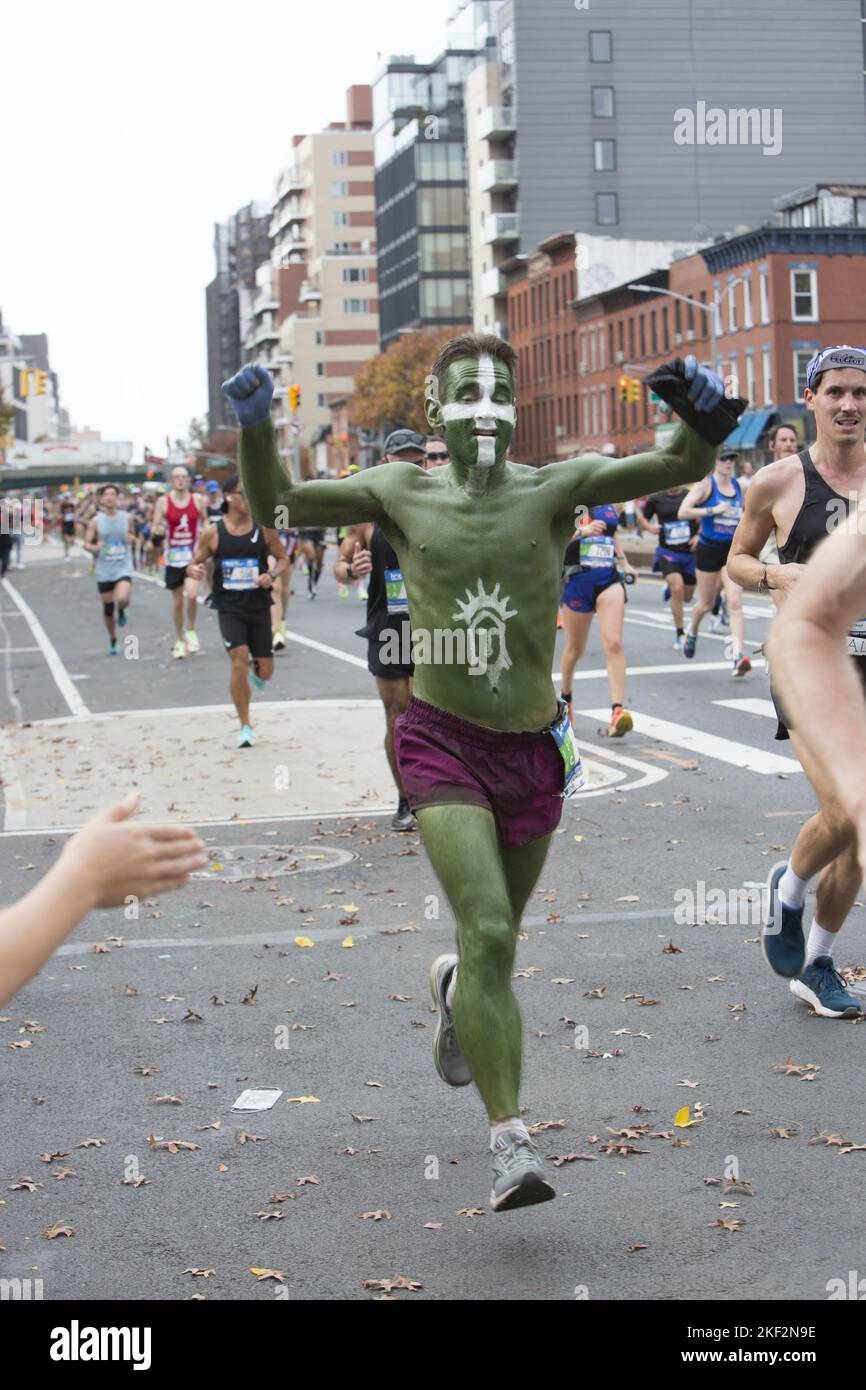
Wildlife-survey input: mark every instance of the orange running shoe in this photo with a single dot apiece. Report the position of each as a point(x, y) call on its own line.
point(621, 722)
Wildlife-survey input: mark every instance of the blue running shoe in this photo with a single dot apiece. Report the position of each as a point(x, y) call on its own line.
point(666, 593)
point(122, 619)
point(822, 986)
point(256, 680)
point(782, 940)
point(113, 648)
point(689, 645)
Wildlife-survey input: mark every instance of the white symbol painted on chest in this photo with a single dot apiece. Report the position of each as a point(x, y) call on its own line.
point(487, 613)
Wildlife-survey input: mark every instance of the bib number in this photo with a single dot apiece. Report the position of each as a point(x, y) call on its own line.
point(728, 521)
point(114, 550)
point(240, 574)
point(597, 553)
point(574, 779)
point(677, 532)
point(179, 556)
point(395, 591)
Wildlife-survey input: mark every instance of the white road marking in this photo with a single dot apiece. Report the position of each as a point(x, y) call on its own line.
point(764, 707)
point(726, 750)
point(328, 651)
point(64, 682)
point(675, 669)
point(160, 712)
point(648, 775)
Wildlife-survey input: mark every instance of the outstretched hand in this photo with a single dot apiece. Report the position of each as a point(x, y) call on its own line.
point(250, 392)
point(707, 387)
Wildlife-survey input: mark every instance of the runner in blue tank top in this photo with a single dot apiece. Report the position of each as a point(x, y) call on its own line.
point(108, 538)
point(717, 503)
point(594, 563)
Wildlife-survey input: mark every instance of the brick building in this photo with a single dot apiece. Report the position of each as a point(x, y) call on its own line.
point(541, 294)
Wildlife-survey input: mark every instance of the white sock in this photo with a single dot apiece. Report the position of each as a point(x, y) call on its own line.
point(450, 988)
point(820, 942)
point(513, 1124)
point(792, 889)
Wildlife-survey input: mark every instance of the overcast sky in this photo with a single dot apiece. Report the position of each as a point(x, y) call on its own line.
point(128, 131)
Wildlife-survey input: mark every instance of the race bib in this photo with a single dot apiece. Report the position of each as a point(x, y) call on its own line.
point(729, 520)
point(857, 639)
point(598, 552)
point(395, 590)
point(113, 550)
point(240, 574)
point(179, 556)
point(574, 779)
point(677, 532)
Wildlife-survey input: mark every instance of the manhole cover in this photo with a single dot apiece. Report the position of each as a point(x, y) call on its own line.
point(271, 861)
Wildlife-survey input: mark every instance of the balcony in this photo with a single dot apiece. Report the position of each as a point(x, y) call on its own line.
point(496, 123)
point(309, 293)
point(492, 283)
point(497, 175)
point(291, 180)
point(500, 228)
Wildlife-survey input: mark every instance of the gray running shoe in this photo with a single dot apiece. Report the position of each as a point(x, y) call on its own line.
point(450, 1062)
point(403, 818)
point(518, 1175)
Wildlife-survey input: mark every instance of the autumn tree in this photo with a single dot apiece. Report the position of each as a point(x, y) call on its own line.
point(389, 389)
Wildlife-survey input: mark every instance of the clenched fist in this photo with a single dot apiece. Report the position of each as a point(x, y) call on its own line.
point(250, 392)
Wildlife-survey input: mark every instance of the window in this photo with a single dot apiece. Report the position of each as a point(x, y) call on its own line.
point(593, 359)
point(642, 324)
point(603, 156)
point(341, 219)
point(606, 209)
point(585, 408)
point(356, 306)
point(339, 157)
point(549, 361)
point(558, 356)
point(747, 306)
point(320, 399)
point(568, 415)
point(439, 162)
point(445, 299)
point(339, 189)
point(556, 298)
point(595, 412)
point(750, 377)
point(666, 337)
point(610, 347)
point(732, 310)
point(601, 361)
point(320, 369)
point(620, 329)
point(764, 293)
point(355, 274)
point(717, 310)
point(654, 337)
point(613, 407)
point(678, 326)
point(631, 340)
point(583, 352)
point(603, 412)
point(442, 207)
point(804, 295)
point(506, 46)
point(704, 322)
point(801, 362)
point(600, 46)
point(734, 375)
point(860, 212)
point(767, 375)
point(603, 103)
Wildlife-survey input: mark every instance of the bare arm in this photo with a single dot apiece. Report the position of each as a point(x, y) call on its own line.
point(592, 481)
point(111, 861)
point(751, 536)
point(278, 551)
point(808, 654)
point(275, 499)
point(343, 565)
point(692, 506)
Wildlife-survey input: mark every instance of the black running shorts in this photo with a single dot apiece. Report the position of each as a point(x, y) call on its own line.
point(251, 630)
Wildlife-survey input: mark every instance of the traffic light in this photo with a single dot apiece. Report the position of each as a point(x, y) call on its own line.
point(40, 382)
point(624, 384)
point(634, 390)
point(294, 397)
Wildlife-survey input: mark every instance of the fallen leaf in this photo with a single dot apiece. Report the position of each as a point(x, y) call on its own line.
point(200, 1273)
point(58, 1229)
point(471, 1211)
point(24, 1185)
point(560, 1159)
point(375, 1215)
point(310, 1181)
point(270, 1215)
point(304, 941)
point(91, 1144)
point(241, 1137)
point(303, 1100)
point(261, 1274)
point(727, 1224)
point(387, 1285)
point(671, 950)
point(633, 1248)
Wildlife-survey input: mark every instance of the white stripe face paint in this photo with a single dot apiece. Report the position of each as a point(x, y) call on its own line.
point(485, 412)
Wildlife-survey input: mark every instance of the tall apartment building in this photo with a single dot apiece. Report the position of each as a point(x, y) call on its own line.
point(316, 312)
point(678, 120)
point(30, 386)
point(241, 244)
point(422, 216)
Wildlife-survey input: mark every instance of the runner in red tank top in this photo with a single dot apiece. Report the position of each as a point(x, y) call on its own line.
point(178, 516)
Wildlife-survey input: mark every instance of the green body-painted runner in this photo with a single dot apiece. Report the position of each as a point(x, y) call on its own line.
point(480, 543)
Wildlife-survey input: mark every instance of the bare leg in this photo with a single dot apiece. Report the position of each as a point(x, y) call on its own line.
point(708, 586)
point(610, 607)
point(239, 682)
point(576, 627)
point(826, 842)
point(734, 595)
point(394, 695)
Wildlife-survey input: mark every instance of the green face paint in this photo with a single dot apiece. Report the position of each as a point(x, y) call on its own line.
point(476, 405)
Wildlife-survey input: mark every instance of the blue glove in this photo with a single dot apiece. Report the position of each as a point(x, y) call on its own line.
point(250, 392)
point(707, 387)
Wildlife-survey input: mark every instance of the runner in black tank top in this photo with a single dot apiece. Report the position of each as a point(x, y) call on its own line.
point(366, 554)
point(804, 498)
point(242, 581)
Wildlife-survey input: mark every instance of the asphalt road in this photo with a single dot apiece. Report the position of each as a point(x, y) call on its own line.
point(210, 989)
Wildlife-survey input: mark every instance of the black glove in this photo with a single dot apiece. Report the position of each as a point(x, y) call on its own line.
point(681, 389)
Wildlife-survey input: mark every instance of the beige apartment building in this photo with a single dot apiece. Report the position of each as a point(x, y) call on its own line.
point(315, 314)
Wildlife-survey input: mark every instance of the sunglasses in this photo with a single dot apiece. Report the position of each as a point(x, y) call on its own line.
point(435, 457)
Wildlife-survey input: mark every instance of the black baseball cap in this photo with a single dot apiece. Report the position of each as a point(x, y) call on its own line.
point(399, 441)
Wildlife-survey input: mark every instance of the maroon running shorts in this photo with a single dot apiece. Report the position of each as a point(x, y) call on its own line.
point(444, 759)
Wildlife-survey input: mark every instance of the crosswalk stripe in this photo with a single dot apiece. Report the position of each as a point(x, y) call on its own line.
point(764, 707)
point(726, 750)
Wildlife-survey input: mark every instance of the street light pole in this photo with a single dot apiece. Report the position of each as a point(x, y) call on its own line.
point(712, 308)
